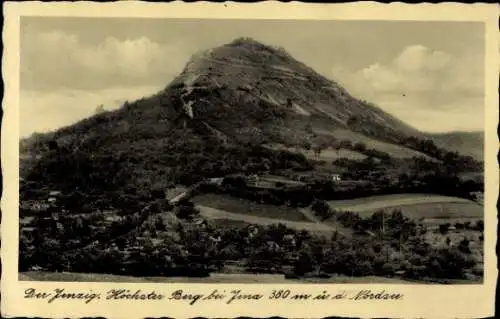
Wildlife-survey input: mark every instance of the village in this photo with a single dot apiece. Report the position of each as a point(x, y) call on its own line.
point(131, 235)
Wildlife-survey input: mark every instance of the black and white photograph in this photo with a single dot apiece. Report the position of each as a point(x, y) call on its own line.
point(191, 160)
point(251, 151)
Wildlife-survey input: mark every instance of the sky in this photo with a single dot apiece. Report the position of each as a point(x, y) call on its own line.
point(428, 74)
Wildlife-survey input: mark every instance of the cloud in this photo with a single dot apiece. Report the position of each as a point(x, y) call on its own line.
point(43, 111)
point(58, 59)
point(417, 58)
point(429, 89)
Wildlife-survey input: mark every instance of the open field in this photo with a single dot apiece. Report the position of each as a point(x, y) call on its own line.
point(413, 205)
point(228, 211)
point(216, 278)
point(213, 213)
point(393, 149)
point(248, 207)
point(229, 223)
point(280, 179)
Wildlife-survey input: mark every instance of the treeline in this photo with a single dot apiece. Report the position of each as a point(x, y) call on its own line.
point(237, 186)
point(419, 176)
point(376, 180)
point(135, 169)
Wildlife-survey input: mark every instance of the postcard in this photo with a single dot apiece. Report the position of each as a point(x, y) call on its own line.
point(266, 159)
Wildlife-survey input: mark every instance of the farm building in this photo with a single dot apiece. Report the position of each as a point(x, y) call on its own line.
point(200, 222)
point(253, 179)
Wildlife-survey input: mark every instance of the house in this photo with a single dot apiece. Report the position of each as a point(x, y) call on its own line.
point(113, 218)
point(253, 179)
point(39, 206)
point(215, 239)
point(36, 268)
point(54, 193)
point(200, 222)
point(272, 245)
point(252, 231)
point(336, 177)
point(156, 241)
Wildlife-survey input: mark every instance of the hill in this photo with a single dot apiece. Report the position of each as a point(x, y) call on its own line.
point(467, 143)
point(215, 119)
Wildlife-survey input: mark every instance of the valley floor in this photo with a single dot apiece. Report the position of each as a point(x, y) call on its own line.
point(219, 278)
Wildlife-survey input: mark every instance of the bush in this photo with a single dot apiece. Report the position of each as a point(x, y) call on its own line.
point(322, 209)
point(360, 147)
point(186, 210)
point(443, 228)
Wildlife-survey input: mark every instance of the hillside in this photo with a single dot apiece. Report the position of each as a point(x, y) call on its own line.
point(467, 143)
point(212, 120)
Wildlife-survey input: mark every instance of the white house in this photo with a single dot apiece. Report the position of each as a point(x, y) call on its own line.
point(336, 177)
point(253, 179)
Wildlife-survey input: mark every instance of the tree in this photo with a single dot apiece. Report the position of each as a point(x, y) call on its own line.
point(157, 192)
point(187, 210)
point(443, 228)
point(322, 209)
point(304, 263)
point(317, 151)
point(463, 246)
point(160, 224)
point(308, 128)
point(345, 144)
point(53, 145)
point(353, 120)
point(360, 147)
point(379, 220)
point(307, 146)
point(99, 109)
point(480, 225)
